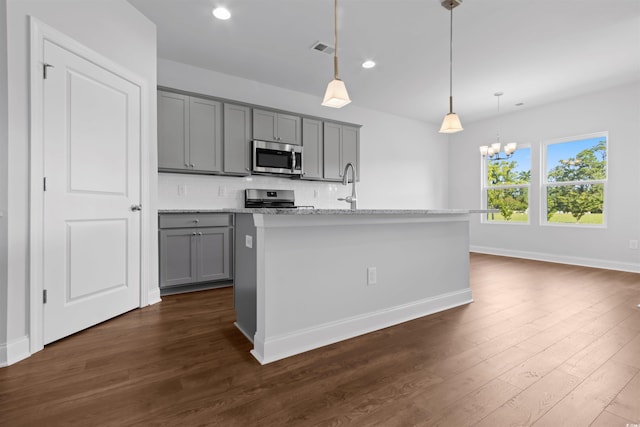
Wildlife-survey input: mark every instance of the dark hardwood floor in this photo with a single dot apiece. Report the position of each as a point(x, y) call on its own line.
point(543, 344)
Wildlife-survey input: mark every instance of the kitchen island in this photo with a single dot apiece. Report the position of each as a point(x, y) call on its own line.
point(306, 278)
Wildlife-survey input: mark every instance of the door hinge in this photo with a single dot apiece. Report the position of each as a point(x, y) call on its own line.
point(44, 183)
point(44, 296)
point(44, 69)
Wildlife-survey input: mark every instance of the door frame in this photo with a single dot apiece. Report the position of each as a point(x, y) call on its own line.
point(40, 32)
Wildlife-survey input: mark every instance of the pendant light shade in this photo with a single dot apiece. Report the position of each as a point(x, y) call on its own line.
point(336, 95)
point(451, 122)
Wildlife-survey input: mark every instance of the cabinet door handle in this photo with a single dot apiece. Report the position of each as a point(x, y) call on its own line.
point(192, 165)
point(196, 220)
point(194, 233)
point(136, 208)
point(200, 233)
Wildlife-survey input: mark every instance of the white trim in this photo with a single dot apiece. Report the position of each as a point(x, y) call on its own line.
point(153, 296)
point(148, 294)
point(559, 259)
point(318, 336)
point(14, 351)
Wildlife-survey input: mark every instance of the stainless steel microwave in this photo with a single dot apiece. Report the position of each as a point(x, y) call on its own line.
point(276, 158)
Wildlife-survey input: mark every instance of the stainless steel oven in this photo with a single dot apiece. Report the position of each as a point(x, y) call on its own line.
point(276, 158)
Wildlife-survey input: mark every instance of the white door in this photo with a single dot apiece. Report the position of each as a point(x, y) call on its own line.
point(92, 168)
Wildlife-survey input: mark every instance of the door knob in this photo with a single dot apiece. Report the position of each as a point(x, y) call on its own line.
point(136, 208)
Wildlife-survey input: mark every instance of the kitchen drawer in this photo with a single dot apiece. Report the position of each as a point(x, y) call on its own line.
point(190, 220)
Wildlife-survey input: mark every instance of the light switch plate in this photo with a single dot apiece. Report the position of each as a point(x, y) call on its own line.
point(248, 241)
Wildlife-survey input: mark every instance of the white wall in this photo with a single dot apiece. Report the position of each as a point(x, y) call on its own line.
point(617, 111)
point(4, 133)
point(403, 162)
point(112, 28)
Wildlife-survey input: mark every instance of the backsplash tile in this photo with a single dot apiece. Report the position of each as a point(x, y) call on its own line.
point(189, 191)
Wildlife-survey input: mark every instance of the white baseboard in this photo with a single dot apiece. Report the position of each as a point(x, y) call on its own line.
point(154, 296)
point(559, 259)
point(297, 342)
point(14, 351)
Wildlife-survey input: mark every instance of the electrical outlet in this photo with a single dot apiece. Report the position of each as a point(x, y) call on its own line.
point(316, 193)
point(222, 191)
point(182, 190)
point(372, 276)
point(633, 244)
point(248, 241)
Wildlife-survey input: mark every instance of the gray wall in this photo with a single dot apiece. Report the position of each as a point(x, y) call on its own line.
point(616, 110)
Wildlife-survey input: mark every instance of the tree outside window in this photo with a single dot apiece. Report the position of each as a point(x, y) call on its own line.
point(506, 187)
point(576, 176)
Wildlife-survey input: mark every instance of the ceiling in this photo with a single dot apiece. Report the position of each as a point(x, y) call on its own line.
point(535, 51)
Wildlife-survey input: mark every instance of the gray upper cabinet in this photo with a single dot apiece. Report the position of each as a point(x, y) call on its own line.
point(200, 134)
point(173, 132)
point(350, 147)
point(205, 135)
point(189, 133)
point(341, 146)
point(237, 139)
point(273, 126)
point(312, 142)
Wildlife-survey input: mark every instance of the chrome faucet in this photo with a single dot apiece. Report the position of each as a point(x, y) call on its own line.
point(345, 180)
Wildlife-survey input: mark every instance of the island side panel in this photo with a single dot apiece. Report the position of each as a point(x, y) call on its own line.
point(244, 295)
point(313, 289)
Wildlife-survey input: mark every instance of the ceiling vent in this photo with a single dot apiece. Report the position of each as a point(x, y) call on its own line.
point(322, 47)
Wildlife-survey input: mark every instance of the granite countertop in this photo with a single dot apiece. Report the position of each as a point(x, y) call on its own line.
point(313, 211)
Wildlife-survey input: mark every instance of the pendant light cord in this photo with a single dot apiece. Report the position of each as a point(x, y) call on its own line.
point(335, 39)
point(451, 59)
point(499, 118)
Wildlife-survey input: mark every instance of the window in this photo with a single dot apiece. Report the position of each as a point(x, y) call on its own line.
point(506, 187)
point(574, 180)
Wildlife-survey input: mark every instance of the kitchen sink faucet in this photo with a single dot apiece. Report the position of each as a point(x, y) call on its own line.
point(345, 180)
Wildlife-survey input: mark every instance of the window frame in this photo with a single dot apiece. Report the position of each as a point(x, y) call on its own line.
point(545, 184)
point(484, 187)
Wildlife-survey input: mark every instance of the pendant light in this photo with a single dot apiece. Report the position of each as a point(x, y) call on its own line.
point(336, 95)
point(451, 122)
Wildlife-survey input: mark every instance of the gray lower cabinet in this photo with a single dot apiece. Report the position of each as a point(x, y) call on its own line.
point(341, 145)
point(195, 248)
point(189, 133)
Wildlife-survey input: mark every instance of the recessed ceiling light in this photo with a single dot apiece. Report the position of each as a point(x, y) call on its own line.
point(221, 13)
point(368, 64)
